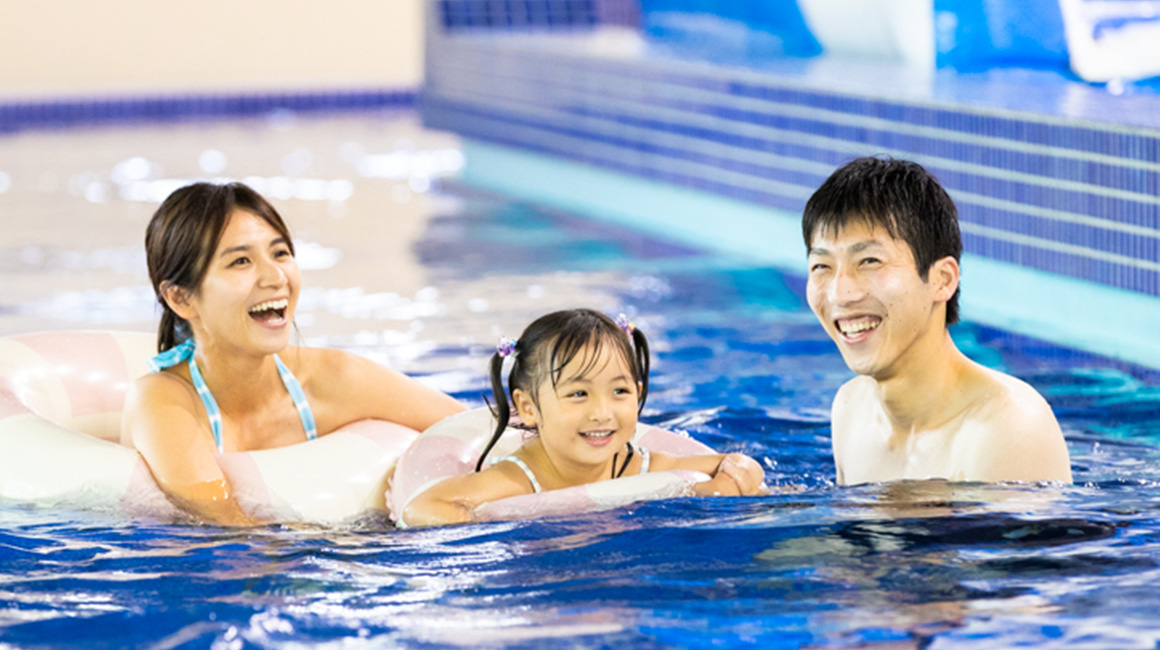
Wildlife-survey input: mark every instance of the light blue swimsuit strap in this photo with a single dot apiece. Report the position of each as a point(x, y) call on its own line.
point(298, 396)
point(177, 354)
point(644, 458)
point(522, 465)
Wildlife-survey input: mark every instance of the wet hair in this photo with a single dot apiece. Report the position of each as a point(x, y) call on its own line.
point(549, 344)
point(181, 239)
point(897, 195)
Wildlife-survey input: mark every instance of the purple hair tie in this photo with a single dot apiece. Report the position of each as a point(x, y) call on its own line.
point(506, 347)
point(625, 324)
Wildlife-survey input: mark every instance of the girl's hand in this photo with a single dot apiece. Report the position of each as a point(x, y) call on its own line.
point(746, 473)
point(736, 475)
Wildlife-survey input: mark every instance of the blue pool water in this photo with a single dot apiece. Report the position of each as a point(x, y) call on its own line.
point(740, 364)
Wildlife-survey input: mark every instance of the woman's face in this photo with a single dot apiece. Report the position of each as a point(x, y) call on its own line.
point(250, 290)
point(585, 419)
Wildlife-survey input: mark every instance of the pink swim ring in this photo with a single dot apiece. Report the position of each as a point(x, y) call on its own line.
point(61, 396)
point(453, 446)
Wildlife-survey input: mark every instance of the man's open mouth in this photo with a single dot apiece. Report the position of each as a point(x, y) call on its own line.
point(852, 327)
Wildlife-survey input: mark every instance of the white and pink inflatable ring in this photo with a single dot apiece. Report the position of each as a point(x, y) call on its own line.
point(61, 395)
point(453, 447)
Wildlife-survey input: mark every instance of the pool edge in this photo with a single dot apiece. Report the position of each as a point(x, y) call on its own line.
point(1074, 313)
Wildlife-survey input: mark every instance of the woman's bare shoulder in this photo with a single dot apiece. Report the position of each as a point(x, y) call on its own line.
point(330, 367)
point(159, 390)
point(160, 405)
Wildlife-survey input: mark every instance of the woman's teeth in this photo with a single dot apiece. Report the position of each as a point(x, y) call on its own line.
point(596, 434)
point(270, 309)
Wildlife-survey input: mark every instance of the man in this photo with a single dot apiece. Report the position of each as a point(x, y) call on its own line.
point(884, 245)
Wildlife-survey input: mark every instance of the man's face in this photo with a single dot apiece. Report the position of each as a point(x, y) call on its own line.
point(864, 288)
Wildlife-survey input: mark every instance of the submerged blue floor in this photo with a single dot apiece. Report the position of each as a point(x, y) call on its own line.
point(740, 364)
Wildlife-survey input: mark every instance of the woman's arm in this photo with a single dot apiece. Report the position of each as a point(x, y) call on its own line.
point(731, 474)
point(161, 423)
point(362, 389)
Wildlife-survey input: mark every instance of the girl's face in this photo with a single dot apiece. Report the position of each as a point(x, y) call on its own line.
point(250, 291)
point(585, 419)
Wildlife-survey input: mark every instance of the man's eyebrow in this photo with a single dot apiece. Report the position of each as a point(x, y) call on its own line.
point(863, 245)
point(854, 248)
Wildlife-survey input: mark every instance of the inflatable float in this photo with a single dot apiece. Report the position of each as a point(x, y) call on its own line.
point(453, 447)
point(61, 395)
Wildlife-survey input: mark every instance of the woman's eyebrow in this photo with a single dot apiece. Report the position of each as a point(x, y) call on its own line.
point(235, 249)
point(245, 247)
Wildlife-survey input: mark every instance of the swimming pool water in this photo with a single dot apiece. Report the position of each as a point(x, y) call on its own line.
point(739, 363)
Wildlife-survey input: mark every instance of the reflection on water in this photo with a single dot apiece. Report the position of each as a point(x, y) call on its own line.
point(426, 275)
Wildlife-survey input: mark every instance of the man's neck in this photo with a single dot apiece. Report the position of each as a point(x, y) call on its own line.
point(926, 391)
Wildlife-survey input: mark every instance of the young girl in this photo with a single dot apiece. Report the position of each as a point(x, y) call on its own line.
point(579, 379)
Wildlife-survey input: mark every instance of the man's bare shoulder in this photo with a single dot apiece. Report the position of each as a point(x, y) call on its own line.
point(1018, 437)
point(849, 428)
point(1006, 402)
point(852, 396)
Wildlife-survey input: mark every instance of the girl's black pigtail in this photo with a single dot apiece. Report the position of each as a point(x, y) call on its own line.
point(501, 410)
point(640, 344)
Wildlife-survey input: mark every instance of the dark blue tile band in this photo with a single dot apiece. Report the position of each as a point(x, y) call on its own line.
point(1074, 197)
point(67, 112)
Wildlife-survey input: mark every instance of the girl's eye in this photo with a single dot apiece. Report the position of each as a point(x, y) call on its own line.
point(622, 391)
point(284, 252)
point(240, 261)
point(577, 393)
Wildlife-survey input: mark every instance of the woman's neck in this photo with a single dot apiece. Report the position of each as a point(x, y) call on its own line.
point(239, 382)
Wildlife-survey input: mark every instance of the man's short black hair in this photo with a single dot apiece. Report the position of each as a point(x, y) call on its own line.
point(898, 195)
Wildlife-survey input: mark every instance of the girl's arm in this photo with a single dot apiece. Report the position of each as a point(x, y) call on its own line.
point(161, 422)
point(363, 389)
point(731, 474)
point(454, 500)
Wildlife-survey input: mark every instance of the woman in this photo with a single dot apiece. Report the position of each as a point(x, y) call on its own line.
point(222, 266)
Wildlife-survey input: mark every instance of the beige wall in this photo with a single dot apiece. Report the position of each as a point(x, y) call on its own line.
point(100, 47)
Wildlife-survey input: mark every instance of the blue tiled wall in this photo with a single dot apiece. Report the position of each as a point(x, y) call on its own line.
point(459, 15)
point(55, 113)
point(1075, 197)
